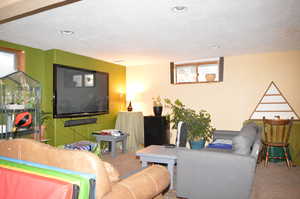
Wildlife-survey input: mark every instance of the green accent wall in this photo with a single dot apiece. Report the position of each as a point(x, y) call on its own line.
point(60, 134)
point(39, 65)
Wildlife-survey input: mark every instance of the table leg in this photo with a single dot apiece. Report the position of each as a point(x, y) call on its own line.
point(171, 171)
point(109, 146)
point(124, 145)
point(100, 153)
point(144, 164)
point(113, 148)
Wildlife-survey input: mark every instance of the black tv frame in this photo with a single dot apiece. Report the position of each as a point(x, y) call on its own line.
point(77, 114)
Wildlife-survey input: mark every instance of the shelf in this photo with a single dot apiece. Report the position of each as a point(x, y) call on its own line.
point(275, 111)
point(17, 134)
point(2, 110)
point(272, 94)
point(273, 103)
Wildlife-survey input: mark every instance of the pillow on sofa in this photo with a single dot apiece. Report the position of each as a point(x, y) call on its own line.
point(242, 143)
point(249, 130)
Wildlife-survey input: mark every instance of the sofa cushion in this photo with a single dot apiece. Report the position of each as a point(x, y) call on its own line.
point(241, 145)
point(249, 130)
point(243, 142)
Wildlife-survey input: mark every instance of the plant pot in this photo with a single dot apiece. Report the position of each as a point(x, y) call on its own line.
point(43, 132)
point(197, 144)
point(157, 110)
point(210, 77)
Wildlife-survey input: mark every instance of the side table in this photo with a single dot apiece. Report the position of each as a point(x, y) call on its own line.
point(113, 140)
point(133, 124)
point(159, 154)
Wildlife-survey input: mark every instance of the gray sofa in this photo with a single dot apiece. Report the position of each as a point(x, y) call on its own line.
point(218, 173)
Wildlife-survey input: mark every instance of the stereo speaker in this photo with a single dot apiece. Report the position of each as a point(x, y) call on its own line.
point(80, 122)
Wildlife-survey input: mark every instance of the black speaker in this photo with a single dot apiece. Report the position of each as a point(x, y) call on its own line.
point(80, 122)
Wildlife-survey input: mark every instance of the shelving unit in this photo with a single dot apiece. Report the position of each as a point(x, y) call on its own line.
point(19, 93)
point(156, 129)
point(273, 105)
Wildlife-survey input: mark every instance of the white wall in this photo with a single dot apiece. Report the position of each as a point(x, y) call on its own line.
point(229, 102)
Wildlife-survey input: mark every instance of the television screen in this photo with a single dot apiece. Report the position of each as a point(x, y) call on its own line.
point(79, 92)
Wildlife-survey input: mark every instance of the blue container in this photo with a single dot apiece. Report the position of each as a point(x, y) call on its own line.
point(197, 144)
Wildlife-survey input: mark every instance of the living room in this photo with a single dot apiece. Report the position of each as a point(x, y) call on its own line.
point(138, 74)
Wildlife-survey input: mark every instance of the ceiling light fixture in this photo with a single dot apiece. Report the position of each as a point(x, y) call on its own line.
point(66, 32)
point(179, 9)
point(215, 46)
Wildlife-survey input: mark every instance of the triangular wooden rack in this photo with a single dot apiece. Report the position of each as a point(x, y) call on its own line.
point(273, 105)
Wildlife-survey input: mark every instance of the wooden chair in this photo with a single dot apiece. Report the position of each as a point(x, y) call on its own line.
point(276, 133)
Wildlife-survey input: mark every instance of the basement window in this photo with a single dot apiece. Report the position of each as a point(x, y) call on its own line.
point(201, 71)
point(11, 61)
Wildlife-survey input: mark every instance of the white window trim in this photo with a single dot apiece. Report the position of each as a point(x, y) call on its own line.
point(197, 64)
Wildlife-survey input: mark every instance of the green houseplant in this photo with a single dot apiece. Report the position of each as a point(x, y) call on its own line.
point(198, 122)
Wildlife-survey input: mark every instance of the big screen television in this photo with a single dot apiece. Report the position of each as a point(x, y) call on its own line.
point(79, 92)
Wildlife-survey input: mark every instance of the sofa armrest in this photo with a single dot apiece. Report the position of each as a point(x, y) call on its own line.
point(214, 174)
point(225, 134)
point(146, 184)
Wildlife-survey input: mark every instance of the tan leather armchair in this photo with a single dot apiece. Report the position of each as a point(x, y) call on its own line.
point(146, 184)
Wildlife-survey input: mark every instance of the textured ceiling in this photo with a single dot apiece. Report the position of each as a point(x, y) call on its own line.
point(138, 32)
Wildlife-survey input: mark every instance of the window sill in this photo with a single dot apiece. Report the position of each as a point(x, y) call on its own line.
point(197, 82)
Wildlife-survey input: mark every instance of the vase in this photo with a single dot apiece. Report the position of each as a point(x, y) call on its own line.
point(129, 108)
point(197, 144)
point(157, 110)
point(210, 77)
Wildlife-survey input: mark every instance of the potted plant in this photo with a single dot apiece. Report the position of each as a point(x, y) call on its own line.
point(198, 123)
point(157, 106)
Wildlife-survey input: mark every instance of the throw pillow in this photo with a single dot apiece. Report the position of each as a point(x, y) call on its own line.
point(242, 143)
point(249, 130)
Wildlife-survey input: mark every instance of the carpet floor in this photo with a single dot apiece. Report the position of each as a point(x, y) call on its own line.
point(274, 182)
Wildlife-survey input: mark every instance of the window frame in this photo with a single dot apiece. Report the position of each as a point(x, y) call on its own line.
point(197, 64)
point(20, 57)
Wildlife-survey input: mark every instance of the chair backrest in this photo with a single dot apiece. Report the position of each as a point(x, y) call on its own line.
point(182, 132)
point(277, 131)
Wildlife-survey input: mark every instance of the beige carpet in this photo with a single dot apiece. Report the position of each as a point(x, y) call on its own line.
point(274, 182)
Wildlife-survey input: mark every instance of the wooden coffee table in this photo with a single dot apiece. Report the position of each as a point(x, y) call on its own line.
point(159, 154)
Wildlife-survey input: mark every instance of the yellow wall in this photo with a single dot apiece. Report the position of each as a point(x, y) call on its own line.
point(230, 102)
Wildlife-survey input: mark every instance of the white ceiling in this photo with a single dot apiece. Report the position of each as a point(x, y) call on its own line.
point(146, 31)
